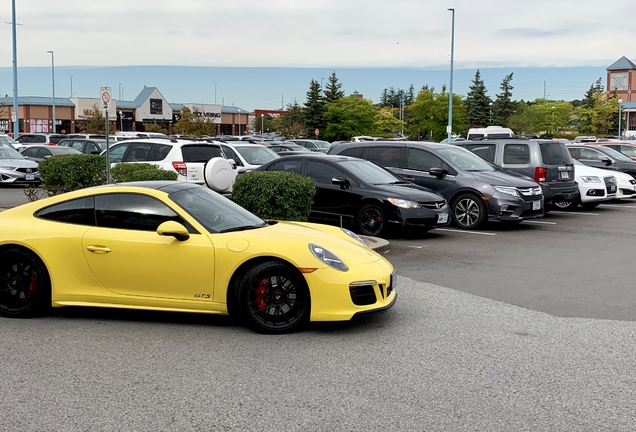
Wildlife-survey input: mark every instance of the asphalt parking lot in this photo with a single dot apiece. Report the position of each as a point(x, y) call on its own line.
point(569, 264)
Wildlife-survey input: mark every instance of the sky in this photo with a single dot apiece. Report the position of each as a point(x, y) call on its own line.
point(257, 54)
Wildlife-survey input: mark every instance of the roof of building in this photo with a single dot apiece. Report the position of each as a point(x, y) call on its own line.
point(37, 100)
point(622, 63)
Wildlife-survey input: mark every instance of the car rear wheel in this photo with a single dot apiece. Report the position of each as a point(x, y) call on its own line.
point(25, 287)
point(274, 298)
point(468, 211)
point(371, 220)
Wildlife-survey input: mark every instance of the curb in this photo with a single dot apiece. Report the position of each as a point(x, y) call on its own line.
point(377, 244)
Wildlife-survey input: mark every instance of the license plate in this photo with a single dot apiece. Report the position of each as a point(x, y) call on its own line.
point(536, 205)
point(612, 189)
point(442, 218)
point(564, 175)
point(30, 176)
point(393, 280)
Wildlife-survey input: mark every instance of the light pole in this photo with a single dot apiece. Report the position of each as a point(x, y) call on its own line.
point(53, 82)
point(16, 120)
point(449, 128)
point(215, 83)
point(71, 77)
point(262, 123)
point(401, 117)
point(121, 121)
point(239, 122)
point(620, 117)
point(553, 119)
point(490, 113)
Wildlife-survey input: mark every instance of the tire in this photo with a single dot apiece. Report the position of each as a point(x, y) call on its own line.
point(274, 298)
point(468, 211)
point(25, 287)
point(371, 220)
point(565, 205)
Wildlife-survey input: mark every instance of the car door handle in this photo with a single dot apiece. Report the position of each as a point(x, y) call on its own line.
point(99, 249)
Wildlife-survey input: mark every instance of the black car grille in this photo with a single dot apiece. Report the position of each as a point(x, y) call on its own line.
point(433, 205)
point(362, 295)
point(610, 184)
point(27, 170)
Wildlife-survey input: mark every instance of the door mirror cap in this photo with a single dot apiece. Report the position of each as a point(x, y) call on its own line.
point(437, 172)
point(173, 229)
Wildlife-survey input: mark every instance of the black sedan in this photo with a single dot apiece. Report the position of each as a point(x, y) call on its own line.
point(364, 196)
point(603, 157)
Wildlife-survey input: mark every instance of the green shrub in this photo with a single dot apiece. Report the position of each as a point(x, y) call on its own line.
point(275, 194)
point(123, 172)
point(65, 173)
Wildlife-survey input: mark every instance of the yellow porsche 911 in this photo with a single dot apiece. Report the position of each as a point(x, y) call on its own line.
point(174, 246)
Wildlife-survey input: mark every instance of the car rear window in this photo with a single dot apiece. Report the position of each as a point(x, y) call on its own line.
point(200, 152)
point(555, 153)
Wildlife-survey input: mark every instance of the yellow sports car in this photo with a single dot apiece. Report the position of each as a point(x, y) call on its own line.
point(175, 246)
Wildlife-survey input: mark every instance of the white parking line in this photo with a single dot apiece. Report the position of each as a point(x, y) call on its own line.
point(540, 222)
point(418, 247)
point(577, 213)
point(618, 206)
point(465, 232)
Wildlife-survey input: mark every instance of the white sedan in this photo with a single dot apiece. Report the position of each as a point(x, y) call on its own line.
point(595, 185)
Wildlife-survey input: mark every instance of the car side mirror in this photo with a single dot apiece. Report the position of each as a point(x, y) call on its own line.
point(344, 183)
point(173, 229)
point(607, 160)
point(437, 172)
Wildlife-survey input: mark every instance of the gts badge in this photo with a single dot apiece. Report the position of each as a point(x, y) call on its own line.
point(202, 296)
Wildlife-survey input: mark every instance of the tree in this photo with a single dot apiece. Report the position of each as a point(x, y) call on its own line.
point(193, 125)
point(332, 90)
point(429, 116)
point(526, 120)
point(601, 118)
point(503, 107)
point(477, 104)
point(589, 100)
point(314, 109)
point(292, 124)
point(386, 124)
point(95, 122)
point(348, 117)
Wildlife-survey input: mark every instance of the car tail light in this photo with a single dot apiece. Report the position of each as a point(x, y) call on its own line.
point(181, 168)
point(539, 174)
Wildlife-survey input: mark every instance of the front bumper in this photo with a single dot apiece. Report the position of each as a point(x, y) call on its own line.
point(503, 207)
point(412, 219)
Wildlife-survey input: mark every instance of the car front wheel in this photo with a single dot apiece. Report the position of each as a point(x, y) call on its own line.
point(468, 211)
point(371, 220)
point(274, 298)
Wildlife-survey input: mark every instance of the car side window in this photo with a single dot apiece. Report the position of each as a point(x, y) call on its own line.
point(591, 155)
point(91, 148)
point(159, 152)
point(77, 145)
point(422, 160)
point(322, 172)
point(43, 152)
point(516, 154)
point(132, 212)
point(487, 151)
point(138, 153)
point(353, 151)
point(231, 154)
point(385, 156)
point(78, 211)
point(29, 152)
point(293, 165)
point(116, 153)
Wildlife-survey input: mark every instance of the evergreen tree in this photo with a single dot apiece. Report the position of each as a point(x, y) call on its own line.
point(410, 95)
point(477, 104)
point(384, 98)
point(292, 124)
point(589, 100)
point(503, 107)
point(314, 109)
point(332, 91)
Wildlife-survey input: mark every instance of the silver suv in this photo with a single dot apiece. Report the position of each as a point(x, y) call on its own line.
point(547, 162)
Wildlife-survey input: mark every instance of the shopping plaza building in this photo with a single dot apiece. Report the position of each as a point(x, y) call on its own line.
point(35, 114)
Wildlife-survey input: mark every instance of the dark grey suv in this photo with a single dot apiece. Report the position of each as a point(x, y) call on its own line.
point(477, 190)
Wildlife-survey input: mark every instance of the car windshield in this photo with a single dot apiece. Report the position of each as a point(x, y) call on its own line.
point(555, 153)
point(616, 154)
point(63, 150)
point(215, 212)
point(9, 153)
point(370, 173)
point(465, 159)
point(323, 144)
point(7, 140)
point(257, 154)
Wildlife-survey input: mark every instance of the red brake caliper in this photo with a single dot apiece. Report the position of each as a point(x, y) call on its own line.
point(33, 285)
point(260, 294)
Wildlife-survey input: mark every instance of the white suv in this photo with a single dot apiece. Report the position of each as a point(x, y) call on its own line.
point(198, 162)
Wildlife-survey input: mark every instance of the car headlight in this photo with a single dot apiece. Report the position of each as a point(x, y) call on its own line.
point(402, 203)
point(353, 235)
point(328, 257)
point(507, 190)
point(590, 179)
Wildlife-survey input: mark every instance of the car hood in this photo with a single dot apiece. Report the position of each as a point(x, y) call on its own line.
point(502, 178)
point(409, 191)
point(19, 163)
point(584, 170)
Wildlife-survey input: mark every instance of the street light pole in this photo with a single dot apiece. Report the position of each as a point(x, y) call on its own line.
point(71, 77)
point(239, 122)
point(620, 117)
point(53, 82)
point(215, 83)
point(553, 127)
point(121, 121)
point(262, 123)
point(16, 120)
point(449, 128)
point(490, 113)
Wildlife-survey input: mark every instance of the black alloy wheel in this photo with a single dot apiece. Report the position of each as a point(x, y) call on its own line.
point(468, 211)
point(372, 220)
point(274, 298)
point(25, 288)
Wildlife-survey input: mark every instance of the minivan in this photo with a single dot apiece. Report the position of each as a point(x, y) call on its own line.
point(547, 162)
point(476, 190)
